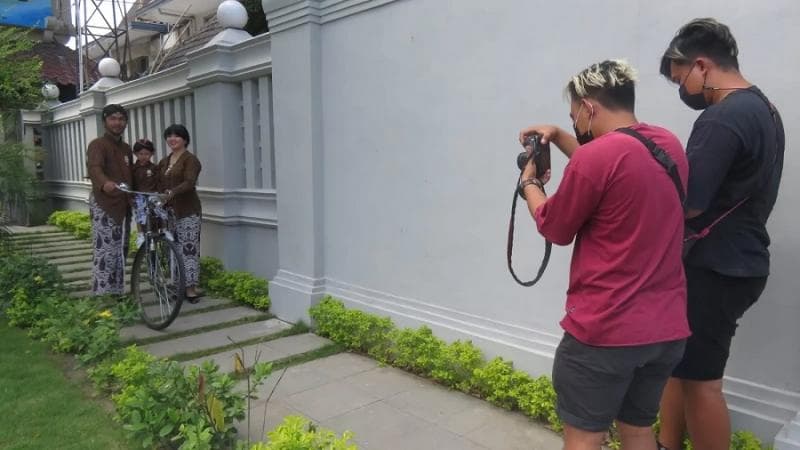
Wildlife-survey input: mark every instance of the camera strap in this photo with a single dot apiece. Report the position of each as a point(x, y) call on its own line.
point(510, 246)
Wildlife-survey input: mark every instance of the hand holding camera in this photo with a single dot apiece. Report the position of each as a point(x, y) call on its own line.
point(534, 162)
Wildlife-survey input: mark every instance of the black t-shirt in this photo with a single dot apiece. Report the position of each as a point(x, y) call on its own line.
point(735, 151)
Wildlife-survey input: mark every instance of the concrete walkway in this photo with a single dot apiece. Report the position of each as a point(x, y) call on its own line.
point(390, 409)
point(385, 408)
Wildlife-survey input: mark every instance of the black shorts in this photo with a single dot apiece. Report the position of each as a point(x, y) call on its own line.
point(715, 304)
point(596, 385)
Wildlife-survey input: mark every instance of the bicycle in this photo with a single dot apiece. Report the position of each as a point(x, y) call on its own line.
point(163, 272)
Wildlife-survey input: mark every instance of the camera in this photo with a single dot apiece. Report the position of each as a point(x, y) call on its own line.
point(540, 155)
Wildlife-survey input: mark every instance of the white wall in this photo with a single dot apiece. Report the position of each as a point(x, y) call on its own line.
point(421, 104)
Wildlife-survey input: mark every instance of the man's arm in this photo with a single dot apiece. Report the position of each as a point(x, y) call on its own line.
point(560, 216)
point(711, 151)
point(94, 166)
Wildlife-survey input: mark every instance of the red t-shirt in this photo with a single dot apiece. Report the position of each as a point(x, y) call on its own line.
point(626, 284)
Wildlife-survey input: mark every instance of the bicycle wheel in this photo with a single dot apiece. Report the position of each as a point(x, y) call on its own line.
point(158, 282)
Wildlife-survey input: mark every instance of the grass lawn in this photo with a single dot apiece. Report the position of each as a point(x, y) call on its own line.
point(41, 408)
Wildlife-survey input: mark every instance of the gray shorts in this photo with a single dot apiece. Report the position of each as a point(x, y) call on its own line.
point(597, 385)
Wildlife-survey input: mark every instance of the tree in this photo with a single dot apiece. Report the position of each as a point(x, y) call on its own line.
point(256, 19)
point(20, 72)
point(20, 84)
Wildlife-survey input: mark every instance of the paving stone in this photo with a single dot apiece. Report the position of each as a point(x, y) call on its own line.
point(295, 379)
point(515, 432)
point(329, 400)
point(188, 322)
point(433, 402)
point(276, 410)
point(342, 365)
point(386, 382)
point(264, 352)
point(215, 339)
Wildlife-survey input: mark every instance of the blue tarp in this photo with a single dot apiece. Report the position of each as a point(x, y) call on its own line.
point(29, 14)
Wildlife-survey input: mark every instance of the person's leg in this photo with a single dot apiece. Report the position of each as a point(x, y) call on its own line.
point(636, 438)
point(716, 303)
point(707, 415)
point(577, 439)
point(673, 419)
point(590, 384)
point(639, 410)
point(188, 237)
point(108, 262)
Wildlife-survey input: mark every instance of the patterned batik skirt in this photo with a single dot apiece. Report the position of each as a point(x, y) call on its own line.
point(109, 240)
point(187, 235)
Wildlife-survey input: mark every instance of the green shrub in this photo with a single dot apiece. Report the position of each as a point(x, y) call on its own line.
point(31, 274)
point(210, 269)
point(243, 287)
point(75, 222)
point(417, 351)
point(298, 433)
point(456, 365)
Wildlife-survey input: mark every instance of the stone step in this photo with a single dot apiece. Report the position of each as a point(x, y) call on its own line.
point(26, 231)
point(186, 323)
point(67, 260)
point(61, 245)
point(205, 304)
point(265, 351)
point(40, 237)
point(62, 252)
point(83, 265)
point(85, 291)
point(216, 339)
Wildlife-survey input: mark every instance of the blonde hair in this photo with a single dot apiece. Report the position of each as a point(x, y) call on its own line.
point(611, 82)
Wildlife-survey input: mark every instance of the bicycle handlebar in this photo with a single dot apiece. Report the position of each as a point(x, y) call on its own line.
point(126, 189)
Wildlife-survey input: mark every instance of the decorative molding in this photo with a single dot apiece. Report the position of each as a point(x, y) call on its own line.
point(153, 88)
point(230, 64)
point(287, 14)
point(70, 190)
point(789, 436)
point(253, 207)
point(471, 325)
point(65, 111)
point(299, 283)
point(770, 405)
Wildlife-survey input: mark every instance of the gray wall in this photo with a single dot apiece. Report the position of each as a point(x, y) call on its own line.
point(421, 102)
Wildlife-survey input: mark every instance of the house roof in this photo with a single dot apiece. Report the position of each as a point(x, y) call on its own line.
point(60, 63)
point(177, 55)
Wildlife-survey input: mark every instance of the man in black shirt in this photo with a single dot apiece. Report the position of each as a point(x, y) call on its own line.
point(735, 154)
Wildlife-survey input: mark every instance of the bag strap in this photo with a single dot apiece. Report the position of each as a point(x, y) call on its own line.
point(662, 157)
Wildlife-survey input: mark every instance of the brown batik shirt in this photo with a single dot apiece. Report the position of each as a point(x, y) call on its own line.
point(181, 180)
point(108, 158)
point(145, 177)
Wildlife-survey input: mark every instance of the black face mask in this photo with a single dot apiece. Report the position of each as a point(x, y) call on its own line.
point(695, 101)
point(583, 138)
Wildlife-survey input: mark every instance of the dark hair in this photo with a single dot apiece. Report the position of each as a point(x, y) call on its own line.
point(701, 37)
point(113, 108)
point(177, 130)
point(143, 144)
point(611, 82)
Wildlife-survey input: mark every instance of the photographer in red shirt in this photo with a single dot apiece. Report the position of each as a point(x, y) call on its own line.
point(625, 324)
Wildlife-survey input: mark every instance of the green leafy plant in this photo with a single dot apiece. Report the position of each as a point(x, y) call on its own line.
point(299, 433)
point(75, 222)
point(31, 274)
point(20, 71)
